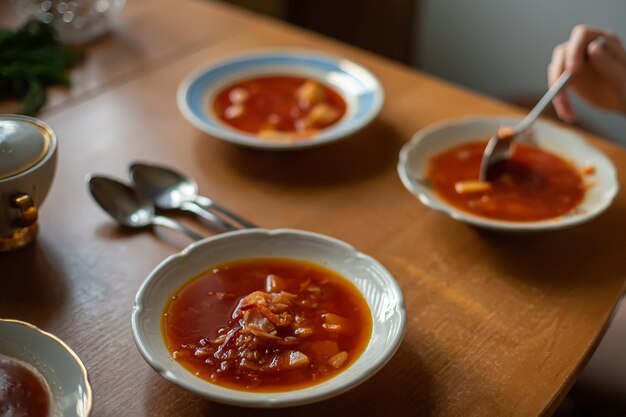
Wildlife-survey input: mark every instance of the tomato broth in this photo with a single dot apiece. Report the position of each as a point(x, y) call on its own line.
point(23, 393)
point(532, 185)
point(279, 107)
point(267, 325)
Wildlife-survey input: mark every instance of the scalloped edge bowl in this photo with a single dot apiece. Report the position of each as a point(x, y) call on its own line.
point(568, 145)
point(377, 285)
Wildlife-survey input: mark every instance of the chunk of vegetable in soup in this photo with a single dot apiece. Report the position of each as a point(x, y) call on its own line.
point(23, 393)
point(279, 107)
point(267, 325)
point(532, 185)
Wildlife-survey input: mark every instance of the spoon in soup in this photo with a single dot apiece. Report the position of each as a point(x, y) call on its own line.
point(500, 145)
point(130, 209)
point(169, 189)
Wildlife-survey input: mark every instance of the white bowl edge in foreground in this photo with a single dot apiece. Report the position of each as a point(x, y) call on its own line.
point(59, 365)
point(380, 290)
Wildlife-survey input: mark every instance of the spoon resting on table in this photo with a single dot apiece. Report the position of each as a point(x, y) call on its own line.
point(169, 189)
point(130, 209)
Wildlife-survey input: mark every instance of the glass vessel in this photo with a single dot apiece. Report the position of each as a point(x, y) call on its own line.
point(76, 21)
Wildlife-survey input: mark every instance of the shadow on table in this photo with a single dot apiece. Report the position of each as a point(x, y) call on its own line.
point(595, 249)
point(402, 381)
point(360, 156)
point(32, 284)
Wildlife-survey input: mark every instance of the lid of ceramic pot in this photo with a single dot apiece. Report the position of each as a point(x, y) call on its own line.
point(23, 144)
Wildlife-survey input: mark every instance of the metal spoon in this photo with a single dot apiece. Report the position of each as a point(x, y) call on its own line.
point(499, 146)
point(169, 189)
point(129, 208)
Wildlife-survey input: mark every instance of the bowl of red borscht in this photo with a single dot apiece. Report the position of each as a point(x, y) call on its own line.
point(553, 179)
point(40, 376)
point(281, 99)
point(268, 318)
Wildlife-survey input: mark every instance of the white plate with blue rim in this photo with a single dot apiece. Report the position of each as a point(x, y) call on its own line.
point(50, 360)
point(359, 88)
point(602, 185)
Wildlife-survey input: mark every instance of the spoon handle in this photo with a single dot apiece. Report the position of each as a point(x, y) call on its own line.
point(174, 225)
point(203, 201)
point(545, 100)
point(195, 208)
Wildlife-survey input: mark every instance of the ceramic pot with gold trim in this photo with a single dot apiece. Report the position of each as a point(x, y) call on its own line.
point(28, 149)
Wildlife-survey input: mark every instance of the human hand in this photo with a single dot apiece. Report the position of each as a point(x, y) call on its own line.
point(599, 70)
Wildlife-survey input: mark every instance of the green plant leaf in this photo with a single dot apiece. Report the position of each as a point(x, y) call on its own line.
point(31, 59)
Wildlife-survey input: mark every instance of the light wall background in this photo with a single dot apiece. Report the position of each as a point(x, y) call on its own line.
point(502, 47)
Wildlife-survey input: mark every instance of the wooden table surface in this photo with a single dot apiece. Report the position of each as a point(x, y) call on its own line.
point(497, 324)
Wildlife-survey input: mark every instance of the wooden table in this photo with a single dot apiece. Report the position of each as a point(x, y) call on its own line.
point(497, 324)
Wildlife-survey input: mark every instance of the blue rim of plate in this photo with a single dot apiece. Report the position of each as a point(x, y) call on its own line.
point(361, 90)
